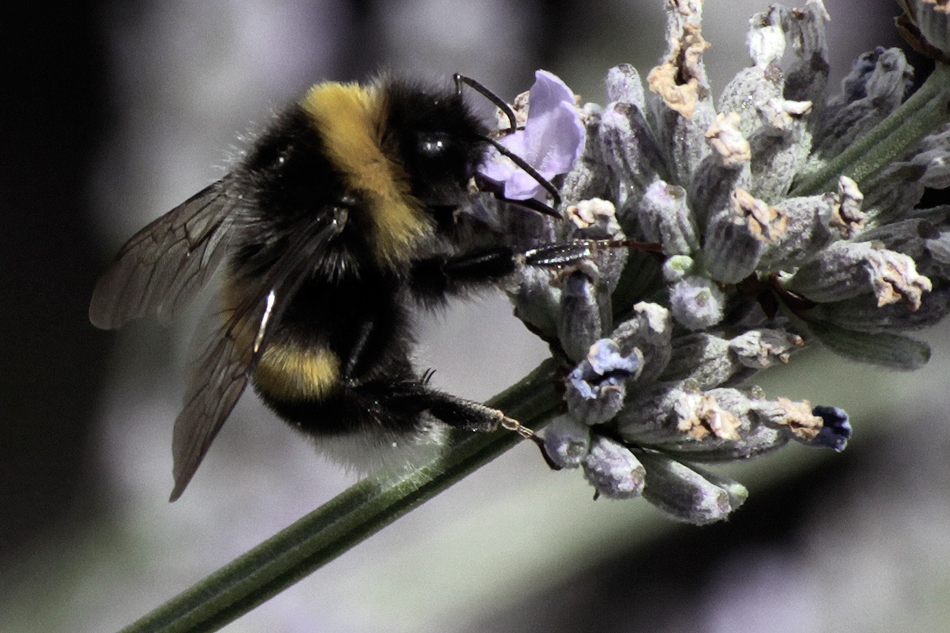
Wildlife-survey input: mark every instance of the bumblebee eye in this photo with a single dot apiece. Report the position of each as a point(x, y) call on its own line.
point(435, 146)
point(441, 157)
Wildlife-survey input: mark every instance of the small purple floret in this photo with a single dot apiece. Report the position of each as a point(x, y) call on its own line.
point(552, 140)
point(836, 430)
point(603, 368)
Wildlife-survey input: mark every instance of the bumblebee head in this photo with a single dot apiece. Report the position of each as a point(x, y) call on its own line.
point(439, 141)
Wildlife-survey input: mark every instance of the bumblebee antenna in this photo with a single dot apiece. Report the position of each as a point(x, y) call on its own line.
point(504, 151)
point(488, 94)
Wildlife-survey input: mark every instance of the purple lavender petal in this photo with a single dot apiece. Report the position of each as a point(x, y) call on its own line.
point(551, 142)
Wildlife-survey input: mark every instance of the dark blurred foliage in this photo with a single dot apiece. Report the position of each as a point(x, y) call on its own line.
point(53, 112)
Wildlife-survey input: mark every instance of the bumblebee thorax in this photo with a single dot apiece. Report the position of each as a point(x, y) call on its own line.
point(349, 119)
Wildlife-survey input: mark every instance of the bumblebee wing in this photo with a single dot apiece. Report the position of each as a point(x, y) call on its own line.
point(219, 377)
point(227, 361)
point(164, 265)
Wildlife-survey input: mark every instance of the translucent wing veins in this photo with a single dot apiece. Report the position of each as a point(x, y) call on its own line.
point(163, 266)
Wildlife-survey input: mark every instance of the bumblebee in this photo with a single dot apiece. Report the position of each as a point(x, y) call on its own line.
point(341, 221)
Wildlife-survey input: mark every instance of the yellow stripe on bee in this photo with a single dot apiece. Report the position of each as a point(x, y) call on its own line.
point(294, 373)
point(350, 118)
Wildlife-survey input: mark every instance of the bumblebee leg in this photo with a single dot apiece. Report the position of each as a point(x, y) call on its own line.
point(575, 250)
point(399, 403)
point(472, 416)
point(477, 417)
point(432, 278)
point(558, 254)
point(452, 408)
point(485, 264)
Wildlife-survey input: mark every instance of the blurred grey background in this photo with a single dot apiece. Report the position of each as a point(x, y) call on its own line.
point(116, 111)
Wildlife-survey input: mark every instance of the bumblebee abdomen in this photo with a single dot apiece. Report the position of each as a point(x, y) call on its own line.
point(331, 337)
point(288, 371)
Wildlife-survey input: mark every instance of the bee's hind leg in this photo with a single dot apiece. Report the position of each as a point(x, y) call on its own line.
point(473, 416)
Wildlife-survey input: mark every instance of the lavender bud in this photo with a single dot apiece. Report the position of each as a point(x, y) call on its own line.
point(649, 331)
point(686, 493)
point(794, 418)
point(624, 86)
point(589, 178)
point(891, 351)
point(595, 219)
point(835, 430)
point(703, 359)
point(863, 314)
point(677, 268)
point(567, 441)
point(806, 232)
point(722, 172)
point(846, 215)
point(737, 237)
point(537, 300)
point(673, 413)
point(664, 217)
point(696, 303)
point(761, 348)
point(654, 414)
point(683, 110)
point(780, 147)
point(613, 470)
point(760, 441)
point(867, 99)
point(580, 323)
point(808, 70)
point(766, 39)
point(847, 269)
point(630, 152)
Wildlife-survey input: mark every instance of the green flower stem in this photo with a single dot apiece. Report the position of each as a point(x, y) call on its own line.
point(344, 521)
point(922, 114)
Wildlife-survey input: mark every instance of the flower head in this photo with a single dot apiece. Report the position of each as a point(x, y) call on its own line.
point(756, 262)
